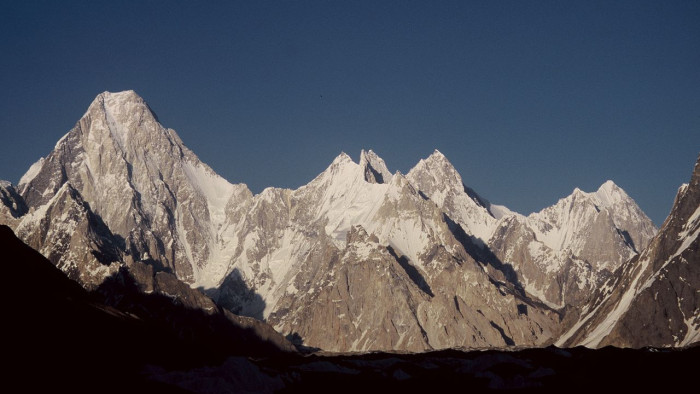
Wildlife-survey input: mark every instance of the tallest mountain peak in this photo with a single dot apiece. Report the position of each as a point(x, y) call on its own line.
point(126, 102)
point(118, 98)
point(124, 94)
point(117, 133)
point(123, 116)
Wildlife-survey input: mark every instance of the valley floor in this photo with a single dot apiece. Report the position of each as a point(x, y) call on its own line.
point(525, 370)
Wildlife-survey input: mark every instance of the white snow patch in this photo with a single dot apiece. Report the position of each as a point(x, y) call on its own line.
point(291, 289)
point(182, 236)
point(693, 326)
point(603, 329)
point(280, 260)
point(34, 216)
point(692, 224)
point(32, 172)
point(363, 250)
point(214, 188)
point(539, 293)
point(116, 130)
point(500, 211)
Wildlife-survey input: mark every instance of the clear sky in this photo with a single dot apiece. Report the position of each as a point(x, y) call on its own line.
point(528, 99)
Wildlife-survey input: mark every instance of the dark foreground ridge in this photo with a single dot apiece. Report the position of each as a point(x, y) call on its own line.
point(57, 335)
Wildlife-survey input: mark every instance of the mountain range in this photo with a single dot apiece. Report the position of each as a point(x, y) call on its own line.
point(359, 259)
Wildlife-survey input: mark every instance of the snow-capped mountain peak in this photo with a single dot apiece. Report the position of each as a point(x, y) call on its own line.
point(609, 194)
point(342, 158)
point(127, 115)
point(568, 223)
point(118, 102)
point(342, 168)
point(437, 153)
point(132, 170)
point(437, 179)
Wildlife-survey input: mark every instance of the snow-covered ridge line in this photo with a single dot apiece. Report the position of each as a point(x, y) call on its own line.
point(286, 255)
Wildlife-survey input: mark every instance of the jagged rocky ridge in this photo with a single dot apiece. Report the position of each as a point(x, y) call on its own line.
point(358, 259)
point(653, 299)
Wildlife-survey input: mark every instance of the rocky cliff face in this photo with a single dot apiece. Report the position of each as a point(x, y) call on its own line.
point(559, 255)
point(652, 300)
point(73, 237)
point(358, 259)
point(566, 251)
point(352, 262)
point(12, 206)
point(439, 181)
point(140, 179)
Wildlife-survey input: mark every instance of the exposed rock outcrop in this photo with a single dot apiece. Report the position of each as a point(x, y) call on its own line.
point(654, 299)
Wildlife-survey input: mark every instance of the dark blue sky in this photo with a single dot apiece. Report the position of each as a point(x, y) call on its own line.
point(528, 99)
